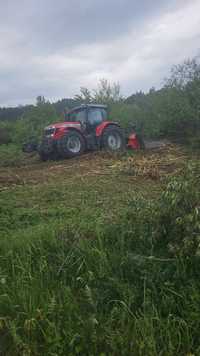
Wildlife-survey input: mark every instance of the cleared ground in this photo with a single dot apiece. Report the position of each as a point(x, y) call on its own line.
point(77, 192)
point(154, 163)
point(84, 264)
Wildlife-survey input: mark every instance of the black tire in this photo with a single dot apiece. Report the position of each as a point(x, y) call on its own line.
point(113, 139)
point(72, 144)
point(45, 149)
point(43, 156)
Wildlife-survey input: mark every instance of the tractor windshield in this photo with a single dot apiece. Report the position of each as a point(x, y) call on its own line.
point(77, 115)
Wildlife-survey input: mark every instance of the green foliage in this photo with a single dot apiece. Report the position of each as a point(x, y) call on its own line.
point(5, 133)
point(126, 114)
point(84, 97)
point(11, 155)
point(179, 214)
point(105, 93)
point(74, 283)
point(97, 268)
point(13, 113)
point(32, 123)
point(172, 111)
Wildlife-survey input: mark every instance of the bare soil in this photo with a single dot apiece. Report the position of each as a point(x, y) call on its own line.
point(160, 159)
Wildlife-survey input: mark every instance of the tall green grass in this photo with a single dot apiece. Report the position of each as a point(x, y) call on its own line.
point(126, 287)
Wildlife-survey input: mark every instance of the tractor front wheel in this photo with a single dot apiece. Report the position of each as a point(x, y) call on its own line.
point(72, 144)
point(113, 139)
point(45, 149)
point(43, 156)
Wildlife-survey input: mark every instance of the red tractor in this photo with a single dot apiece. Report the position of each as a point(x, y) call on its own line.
point(85, 128)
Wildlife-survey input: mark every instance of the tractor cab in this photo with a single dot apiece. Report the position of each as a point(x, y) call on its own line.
point(89, 116)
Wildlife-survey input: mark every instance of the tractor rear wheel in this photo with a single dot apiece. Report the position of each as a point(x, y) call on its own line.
point(72, 144)
point(113, 139)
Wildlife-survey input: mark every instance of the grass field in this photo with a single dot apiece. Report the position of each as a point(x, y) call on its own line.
point(93, 258)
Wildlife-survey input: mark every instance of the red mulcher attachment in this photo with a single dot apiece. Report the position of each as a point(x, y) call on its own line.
point(133, 142)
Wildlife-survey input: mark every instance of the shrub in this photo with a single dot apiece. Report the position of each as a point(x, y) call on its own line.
point(5, 136)
point(178, 216)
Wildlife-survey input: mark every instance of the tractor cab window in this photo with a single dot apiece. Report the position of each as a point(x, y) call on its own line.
point(104, 114)
point(95, 117)
point(78, 116)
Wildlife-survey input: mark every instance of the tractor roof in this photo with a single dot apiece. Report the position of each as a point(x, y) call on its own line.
point(84, 106)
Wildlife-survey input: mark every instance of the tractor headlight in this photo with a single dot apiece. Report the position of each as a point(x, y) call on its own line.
point(49, 131)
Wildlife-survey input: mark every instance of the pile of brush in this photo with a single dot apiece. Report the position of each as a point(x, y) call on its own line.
point(156, 164)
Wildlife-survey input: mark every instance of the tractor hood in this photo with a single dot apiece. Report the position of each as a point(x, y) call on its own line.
point(65, 124)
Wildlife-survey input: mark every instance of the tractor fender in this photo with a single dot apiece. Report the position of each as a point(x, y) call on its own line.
point(103, 126)
point(61, 132)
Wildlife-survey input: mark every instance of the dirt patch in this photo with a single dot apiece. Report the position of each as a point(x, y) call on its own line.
point(44, 172)
point(152, 164)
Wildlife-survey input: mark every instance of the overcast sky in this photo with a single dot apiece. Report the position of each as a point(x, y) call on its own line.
point(52, 48)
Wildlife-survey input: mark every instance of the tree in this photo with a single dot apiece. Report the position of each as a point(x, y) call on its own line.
point(85, 96)
point(32, 122)
point(105, 93)
point(183, 95)
point(40, 100)
point(184, 73)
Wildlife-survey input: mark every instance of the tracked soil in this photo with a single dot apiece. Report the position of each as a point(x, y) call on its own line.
point(153, 163)
point(33, 171)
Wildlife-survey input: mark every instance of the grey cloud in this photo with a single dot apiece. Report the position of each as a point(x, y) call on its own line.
point(54, 48)
point(50, 25)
